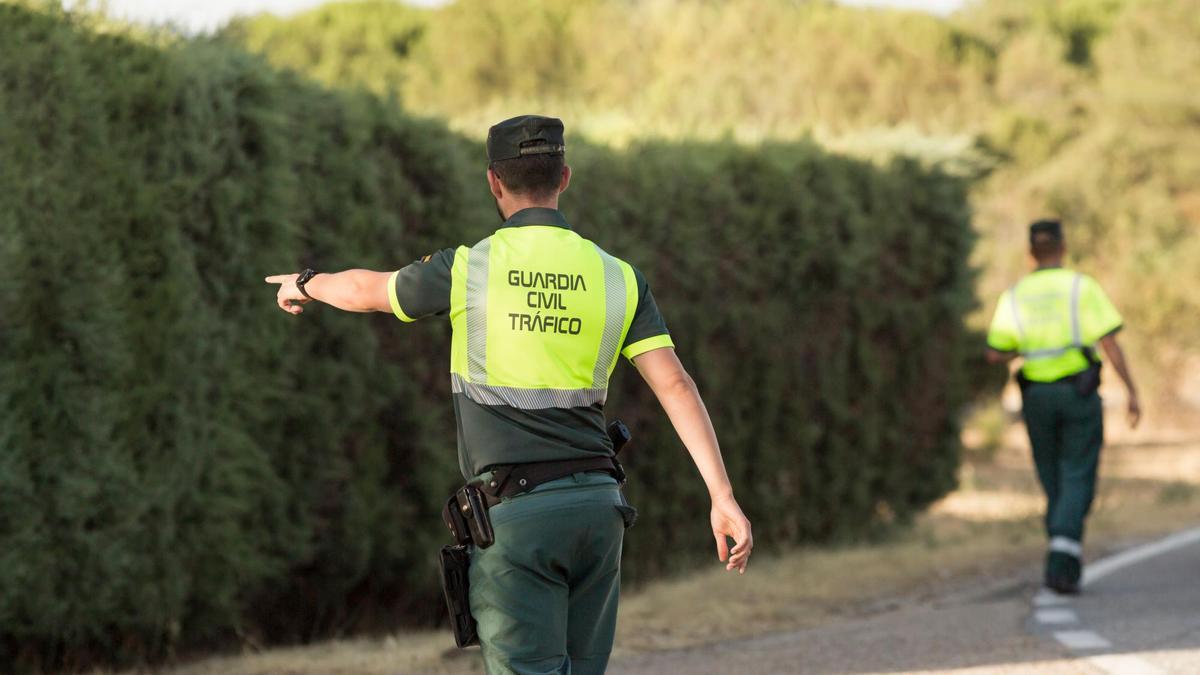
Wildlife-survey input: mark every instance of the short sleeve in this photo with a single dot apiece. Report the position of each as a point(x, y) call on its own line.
point(423, 288)
point(648, 331)
point(1003, 335)
point(1097, 315)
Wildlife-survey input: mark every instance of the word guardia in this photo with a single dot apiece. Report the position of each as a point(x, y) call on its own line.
point(546, 293)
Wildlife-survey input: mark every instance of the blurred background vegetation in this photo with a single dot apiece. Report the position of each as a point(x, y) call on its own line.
point(1082, 109)
point(805, 185)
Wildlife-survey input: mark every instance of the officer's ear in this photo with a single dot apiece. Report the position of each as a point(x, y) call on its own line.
point(566, 179)
point(494, 184)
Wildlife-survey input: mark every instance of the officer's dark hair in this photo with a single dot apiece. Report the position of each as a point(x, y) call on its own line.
point(536, 176)
point(1046, 240)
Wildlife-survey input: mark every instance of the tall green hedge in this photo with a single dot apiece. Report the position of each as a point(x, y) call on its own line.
point(182, 465)
point(818, 303)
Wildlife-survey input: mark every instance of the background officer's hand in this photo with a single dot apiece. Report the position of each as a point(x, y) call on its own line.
point(1135, 411)
point(729, 521)
point(289, 297)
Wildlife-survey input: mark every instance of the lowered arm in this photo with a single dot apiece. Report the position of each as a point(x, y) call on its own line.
point(1112, 349)
point(680, 398)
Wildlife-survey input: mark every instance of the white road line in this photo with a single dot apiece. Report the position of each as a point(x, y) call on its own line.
point(1124, 664)
point(1046, 598)
point(1085, 640)
point(1098, 570)
point(1056, 615)
point(1081, 639)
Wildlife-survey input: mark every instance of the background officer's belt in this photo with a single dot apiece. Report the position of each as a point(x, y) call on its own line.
point(513, 479)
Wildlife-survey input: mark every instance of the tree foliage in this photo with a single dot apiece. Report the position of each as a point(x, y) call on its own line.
point(182, 465)
point(1074, 108)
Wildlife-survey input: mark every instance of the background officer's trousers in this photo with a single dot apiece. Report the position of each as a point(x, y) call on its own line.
point(545, 594)
point(1066, 431)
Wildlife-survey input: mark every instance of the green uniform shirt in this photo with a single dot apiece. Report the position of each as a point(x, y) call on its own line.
point(1048, 317)
point(502, 434)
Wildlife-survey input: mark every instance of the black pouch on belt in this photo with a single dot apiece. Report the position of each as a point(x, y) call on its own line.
point(466, 514)
point(455, 562)
point(1087, 382)
point(1022, 381)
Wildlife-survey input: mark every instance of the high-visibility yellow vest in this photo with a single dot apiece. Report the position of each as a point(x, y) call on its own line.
point(1049, 318)
point(539, 315)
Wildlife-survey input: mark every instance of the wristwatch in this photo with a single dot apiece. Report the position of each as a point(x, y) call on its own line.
point(303, 279)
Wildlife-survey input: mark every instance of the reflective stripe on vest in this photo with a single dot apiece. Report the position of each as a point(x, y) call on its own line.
point(539, 316)
point(1076, 335)
point(477, 284)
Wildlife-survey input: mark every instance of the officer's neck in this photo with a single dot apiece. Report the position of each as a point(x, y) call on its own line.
point(513, 204)
point(1048, 264)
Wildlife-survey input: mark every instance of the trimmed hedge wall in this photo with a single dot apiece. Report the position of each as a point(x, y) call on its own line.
point(818, 303)
point(182, 465)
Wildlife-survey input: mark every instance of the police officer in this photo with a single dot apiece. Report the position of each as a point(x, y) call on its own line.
point(1053, 319)
point(539, 317)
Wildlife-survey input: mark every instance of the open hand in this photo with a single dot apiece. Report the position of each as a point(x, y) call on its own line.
point(289, 298)
point(729, 521)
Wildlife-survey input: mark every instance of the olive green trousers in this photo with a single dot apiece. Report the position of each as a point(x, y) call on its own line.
point(545, 594)
point(1066, 431)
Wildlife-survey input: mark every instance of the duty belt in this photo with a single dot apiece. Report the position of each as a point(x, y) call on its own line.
point(508, 480)
point(465, 512)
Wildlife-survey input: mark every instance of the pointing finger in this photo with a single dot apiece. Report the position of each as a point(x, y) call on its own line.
point(279, 278)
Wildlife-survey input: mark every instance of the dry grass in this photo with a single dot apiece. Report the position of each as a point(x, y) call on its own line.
point(991, 524)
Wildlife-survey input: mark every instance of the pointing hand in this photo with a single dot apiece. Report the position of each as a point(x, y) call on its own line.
point(289, 297)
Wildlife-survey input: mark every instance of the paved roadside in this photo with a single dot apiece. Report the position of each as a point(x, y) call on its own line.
point(1140, 615)
point(969, 630)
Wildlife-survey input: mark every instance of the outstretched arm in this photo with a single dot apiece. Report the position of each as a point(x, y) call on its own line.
point(352, 291)
point(1113, 350)
point(677, 393)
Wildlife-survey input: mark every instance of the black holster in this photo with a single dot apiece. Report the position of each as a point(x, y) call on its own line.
point(455, 562)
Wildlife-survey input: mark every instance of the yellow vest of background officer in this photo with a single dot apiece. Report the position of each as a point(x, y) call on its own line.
point(1054, 318)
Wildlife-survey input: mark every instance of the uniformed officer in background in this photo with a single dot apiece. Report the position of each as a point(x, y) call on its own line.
point(1053, 319)
point(539, 317)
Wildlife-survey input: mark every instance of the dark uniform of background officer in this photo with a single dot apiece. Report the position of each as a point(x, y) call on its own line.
point(539, 315)
point(1053, 318)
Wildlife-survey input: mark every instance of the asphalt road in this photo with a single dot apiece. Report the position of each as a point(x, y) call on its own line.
point(1140, 614)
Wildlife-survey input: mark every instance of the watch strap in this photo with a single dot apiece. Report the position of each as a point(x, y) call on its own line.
point(303, 279)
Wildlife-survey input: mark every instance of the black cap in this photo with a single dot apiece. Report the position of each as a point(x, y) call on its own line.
point(525, 135)
point(1047, 227)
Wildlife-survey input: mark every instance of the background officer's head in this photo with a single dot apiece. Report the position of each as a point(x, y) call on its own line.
point(1046, 242)
point(527, 163)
